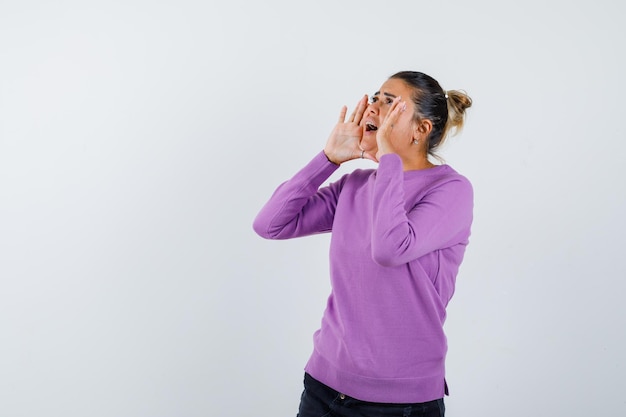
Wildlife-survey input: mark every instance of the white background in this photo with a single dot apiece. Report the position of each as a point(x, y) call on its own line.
point(138, 140)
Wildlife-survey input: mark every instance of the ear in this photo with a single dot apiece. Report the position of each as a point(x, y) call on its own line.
point(422, 129)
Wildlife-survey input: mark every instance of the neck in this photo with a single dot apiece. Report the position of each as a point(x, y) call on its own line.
point(420, 162)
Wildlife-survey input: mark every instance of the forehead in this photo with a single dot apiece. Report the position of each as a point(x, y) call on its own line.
point(396, 87)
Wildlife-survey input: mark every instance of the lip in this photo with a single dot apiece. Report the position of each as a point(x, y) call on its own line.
point(370, 121)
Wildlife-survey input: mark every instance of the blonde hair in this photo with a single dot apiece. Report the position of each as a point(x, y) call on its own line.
point(458, 102)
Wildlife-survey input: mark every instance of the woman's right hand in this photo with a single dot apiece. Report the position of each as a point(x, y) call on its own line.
point(343, 142)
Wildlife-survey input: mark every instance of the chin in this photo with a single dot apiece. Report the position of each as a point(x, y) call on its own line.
point(369, 148)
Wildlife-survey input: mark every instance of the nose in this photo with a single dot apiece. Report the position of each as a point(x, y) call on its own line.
point(373, 108)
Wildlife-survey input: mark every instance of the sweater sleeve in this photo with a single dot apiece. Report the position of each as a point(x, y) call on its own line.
point(299, 207)
point(441, 219)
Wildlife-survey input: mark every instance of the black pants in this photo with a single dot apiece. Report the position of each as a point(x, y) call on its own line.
point(319, 400)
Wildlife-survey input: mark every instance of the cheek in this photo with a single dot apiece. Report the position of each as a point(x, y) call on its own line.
point(404, 125)
point(409, 121)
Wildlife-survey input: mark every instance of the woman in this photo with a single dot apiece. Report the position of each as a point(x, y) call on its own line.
point(398, 237)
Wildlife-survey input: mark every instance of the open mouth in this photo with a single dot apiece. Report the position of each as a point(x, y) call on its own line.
point(370, 127)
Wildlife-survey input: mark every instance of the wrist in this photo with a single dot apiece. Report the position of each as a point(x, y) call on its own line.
point(330, 160)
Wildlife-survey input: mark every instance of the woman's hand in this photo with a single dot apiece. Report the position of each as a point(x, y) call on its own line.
point(385, 130)
point(343, 142)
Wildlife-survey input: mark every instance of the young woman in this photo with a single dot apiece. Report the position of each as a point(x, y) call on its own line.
point(399, 233)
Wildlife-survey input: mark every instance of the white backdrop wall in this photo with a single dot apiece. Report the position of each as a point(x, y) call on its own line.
point(138, 139)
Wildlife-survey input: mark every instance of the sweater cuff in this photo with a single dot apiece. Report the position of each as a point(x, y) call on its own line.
point(322, 157)
point(320, 167)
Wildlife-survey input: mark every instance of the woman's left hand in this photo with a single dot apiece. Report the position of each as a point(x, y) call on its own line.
point(385, 131)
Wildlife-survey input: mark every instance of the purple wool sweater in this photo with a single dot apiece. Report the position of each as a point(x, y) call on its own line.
point(397, 241)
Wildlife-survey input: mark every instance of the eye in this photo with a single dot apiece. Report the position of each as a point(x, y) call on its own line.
point(388, 100)
point(373, 99)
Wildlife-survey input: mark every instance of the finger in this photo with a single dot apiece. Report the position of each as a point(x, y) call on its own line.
point(367, 155)
point(342, 114)
point(397, 107)
point(352, 116)
point(357, 114)
point(360, 109)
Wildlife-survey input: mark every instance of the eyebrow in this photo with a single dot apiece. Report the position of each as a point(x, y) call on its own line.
point(386, 94)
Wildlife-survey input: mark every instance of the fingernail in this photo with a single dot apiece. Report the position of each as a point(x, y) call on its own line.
point(403, 106)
